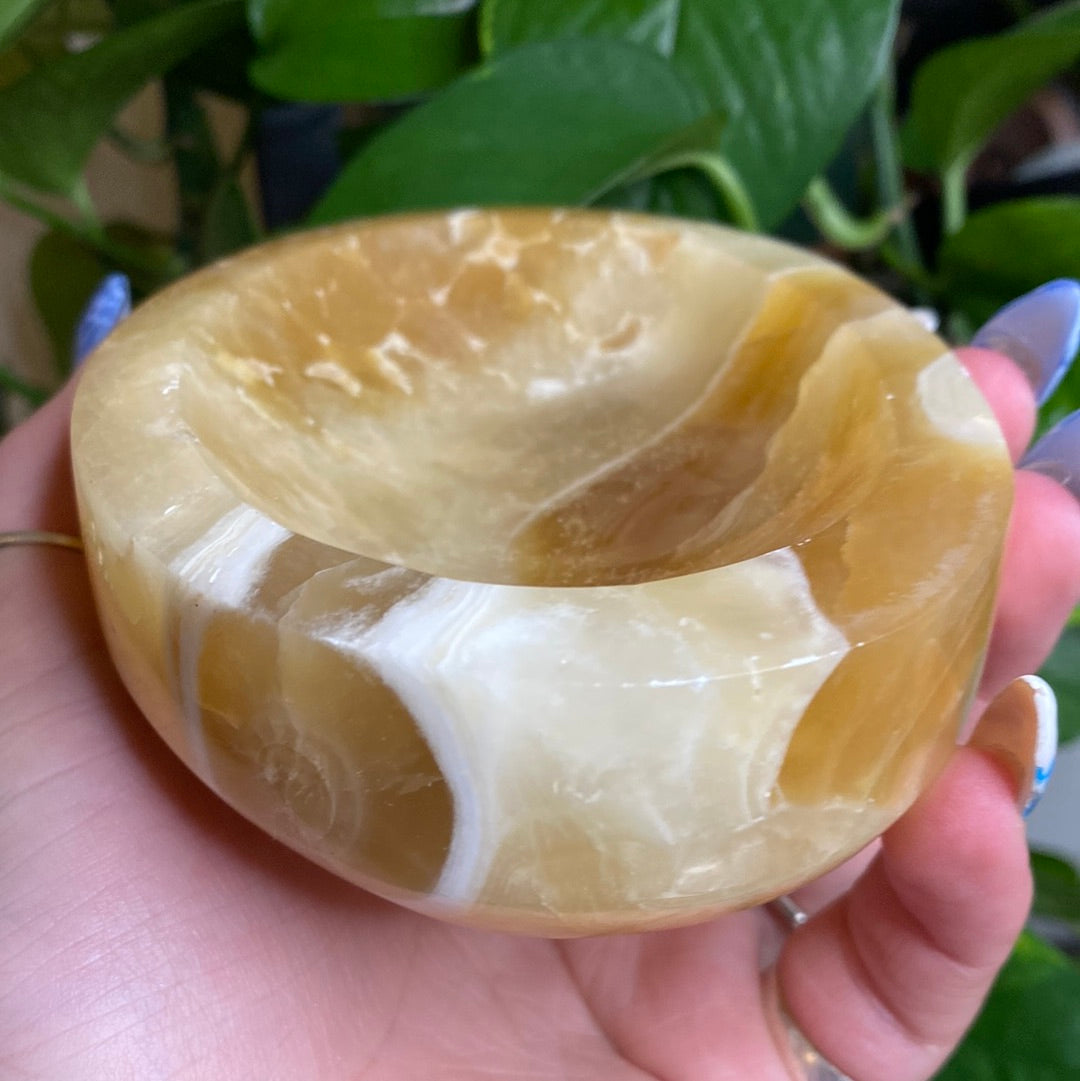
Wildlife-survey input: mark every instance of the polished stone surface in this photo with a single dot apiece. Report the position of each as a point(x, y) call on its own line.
point(550, 571)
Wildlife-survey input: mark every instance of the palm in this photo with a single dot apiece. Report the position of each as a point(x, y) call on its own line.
point(272, 968)
point(146, 930)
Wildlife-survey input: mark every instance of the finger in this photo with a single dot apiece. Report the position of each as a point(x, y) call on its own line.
point(1020, 730)
point(1040, 580)
point(35, 470)
point(886, 980)
point(1007, 392)
point(1040, 331)
point(46, 620)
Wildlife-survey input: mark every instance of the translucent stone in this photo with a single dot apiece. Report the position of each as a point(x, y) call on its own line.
point(558, 572)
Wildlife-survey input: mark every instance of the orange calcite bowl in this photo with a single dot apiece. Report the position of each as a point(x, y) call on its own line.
point(549, 571)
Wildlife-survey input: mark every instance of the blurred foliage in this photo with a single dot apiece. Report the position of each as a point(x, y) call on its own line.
point(774, 114)
point(789, 78)
point(1062, 672)
point(1029, 1029)
point(1057, 890)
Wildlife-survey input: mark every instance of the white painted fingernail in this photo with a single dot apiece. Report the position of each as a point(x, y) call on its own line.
point(1019, 729)
point(1046, 740)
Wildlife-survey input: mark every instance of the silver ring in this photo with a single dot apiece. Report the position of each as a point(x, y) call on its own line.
point(40, 536)
point(803, 1058)
point(789, 912)
point(811, 1063)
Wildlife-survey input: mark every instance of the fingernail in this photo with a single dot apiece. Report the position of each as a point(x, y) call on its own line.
point(1057, 454)
point(1019, 728)
point(110, 304)
point(1040, 331)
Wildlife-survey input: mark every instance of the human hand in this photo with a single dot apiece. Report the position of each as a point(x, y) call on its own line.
point(147, 931)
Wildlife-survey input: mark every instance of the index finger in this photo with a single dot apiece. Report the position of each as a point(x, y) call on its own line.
point(1040, 578)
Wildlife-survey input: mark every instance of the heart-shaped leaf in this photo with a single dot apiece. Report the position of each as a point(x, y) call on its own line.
point(555, 123)
point(1029, 1029)
point(962, 93)
point(790, 76)
point(359, 50)
point(51, 119)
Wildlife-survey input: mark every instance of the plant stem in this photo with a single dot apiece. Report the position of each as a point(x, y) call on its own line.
point(839, 226)
point(89, 233)
point(231, 170)
point(890, 173)
point(43, 214)
point(953, 199)
point(84, 204)
point(197, 167)
point(235, 163)
point(728, 184)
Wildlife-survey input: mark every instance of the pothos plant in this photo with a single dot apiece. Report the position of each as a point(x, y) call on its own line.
point(776, 115)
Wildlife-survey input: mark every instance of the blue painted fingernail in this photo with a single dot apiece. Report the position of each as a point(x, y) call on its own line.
point(1040, 331)
point(1046, 741)
point(1057, 454)
point(109, 305)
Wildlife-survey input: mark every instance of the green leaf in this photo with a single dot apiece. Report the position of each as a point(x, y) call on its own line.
point(221, 66)
point(789, 76)
point(64, 273)
point(1057, 889)
point(1008, 249)
point(506, 23)
point(359, 50)
point(43, 32)
point(962, 93)
point(51, 119)
point(550, 123)
point(999, 254)
point(14, 15)
point(1029, 1029)
point(1062, 672)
